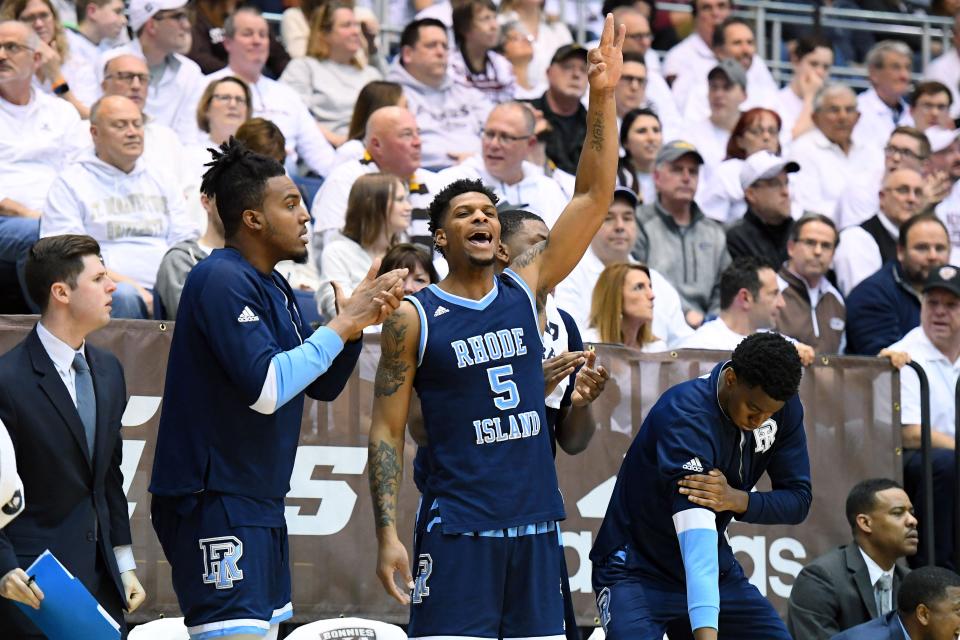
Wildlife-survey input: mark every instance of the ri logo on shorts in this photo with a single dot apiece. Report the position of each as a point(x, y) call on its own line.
point(220, 558)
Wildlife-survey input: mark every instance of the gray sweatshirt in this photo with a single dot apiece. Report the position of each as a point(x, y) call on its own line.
point(173, 272)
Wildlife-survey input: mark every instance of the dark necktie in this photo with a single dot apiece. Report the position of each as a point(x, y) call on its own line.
point(86, 401)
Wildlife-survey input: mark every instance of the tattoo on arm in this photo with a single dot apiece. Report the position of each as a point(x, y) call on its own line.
point(385, 473)
point(596, 132)
point(392, 371)
point(526, 258)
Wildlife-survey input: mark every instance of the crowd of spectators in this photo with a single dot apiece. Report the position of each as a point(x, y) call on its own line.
point(742, 206)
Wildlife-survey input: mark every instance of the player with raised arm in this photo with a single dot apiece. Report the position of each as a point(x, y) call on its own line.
point(486, 543)
point(661, 559)
point(240, 363)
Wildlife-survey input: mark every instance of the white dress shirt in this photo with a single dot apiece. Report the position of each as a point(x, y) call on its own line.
point(788, 106)
point(574, 293)
point(721, 197)
point(946, 69)
point(941, 374)
point(654, 346)
point(861, 199)
point(710, 140)
point(713, 335)
point(858, 256)
point(282, 105)
point(826, 171)
point(877, 120)
point(949, 212)
point(62, 354)
point(875, 572)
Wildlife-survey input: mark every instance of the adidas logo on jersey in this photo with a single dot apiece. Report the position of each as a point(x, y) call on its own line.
point(440, 311)
point(694, 465)
point(248, 316)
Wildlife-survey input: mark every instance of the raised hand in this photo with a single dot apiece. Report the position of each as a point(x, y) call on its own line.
point(590, 381)
point(559, 367)
point(606, 61)
point(372, 301)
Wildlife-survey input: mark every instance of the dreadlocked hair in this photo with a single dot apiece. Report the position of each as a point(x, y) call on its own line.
point(236, 179)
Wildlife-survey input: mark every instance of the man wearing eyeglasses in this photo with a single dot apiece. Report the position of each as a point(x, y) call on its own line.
point(35, 144)
point(866, 247)
point(506, 139)
point(162, 29)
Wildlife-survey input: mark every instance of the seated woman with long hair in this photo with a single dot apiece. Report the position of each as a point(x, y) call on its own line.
point(378, 214)
point(376, 94)
point(641, 137)
point(621, 311)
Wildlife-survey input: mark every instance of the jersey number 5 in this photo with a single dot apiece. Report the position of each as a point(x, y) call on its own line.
point(508, 397)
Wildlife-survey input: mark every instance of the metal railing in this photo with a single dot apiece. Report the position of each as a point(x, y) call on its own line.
point(926, 452)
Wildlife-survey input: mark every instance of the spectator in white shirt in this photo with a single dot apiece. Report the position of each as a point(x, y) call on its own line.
point(450, 115)
point(930, 105)
point(392, 145)
point(247, 41)
point(946, 69)
point(331, 75)
point(376, 94)
point(60, 73)
point(883, 107)
point(944, 170)
point(130, 208)
point(641, 138)
point(100, 23)
point(516, 45)
point(35, 142)
point(907, 148)
point(750, 301)
point(812, 57)
point(548, 34)
point(721, 197)
point(828, 156)
point(694, 54)
point(163, 38)
point(501, 165)
point(935, 346)
point(726, 91)
point(866, 247)
point(732, 40)
point(611, 245)
point(621, 308)
point(473, 62)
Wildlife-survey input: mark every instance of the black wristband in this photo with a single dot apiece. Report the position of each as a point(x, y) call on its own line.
point(61, 89)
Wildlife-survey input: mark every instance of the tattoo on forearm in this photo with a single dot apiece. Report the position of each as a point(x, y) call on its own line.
point(385, 473)
point(392, 370)
point(596, 132)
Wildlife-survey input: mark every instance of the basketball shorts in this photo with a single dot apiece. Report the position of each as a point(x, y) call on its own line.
point(229, 560)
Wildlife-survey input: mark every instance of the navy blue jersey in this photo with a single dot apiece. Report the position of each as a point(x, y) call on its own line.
point(231, 322)
point(686, 433)
point(480, 382)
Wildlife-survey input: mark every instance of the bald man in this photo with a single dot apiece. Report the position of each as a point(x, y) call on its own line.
point(128, 205)
point(864, 248)
point(392, 146)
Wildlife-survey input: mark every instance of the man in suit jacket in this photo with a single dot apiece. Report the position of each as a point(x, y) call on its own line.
point(857, 582)
point(928, 608)
point(61, 401)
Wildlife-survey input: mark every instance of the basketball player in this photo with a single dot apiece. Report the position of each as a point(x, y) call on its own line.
point(661, 560)
point(486, 544)
point(240, 363)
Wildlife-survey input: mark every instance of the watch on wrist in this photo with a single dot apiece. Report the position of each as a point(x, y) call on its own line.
point(61, 89)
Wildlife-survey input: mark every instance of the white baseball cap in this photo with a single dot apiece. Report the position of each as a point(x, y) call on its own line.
point(142, 10)
point(941, 138)
point(764, 165)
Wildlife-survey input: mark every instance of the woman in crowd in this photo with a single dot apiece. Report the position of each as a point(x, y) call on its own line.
point(812, 58)
point(376, 94)
point(59, 73)
point(721, 197)
point(516, 45)
point(473, 62)
point(329, 78)
point(416, 260)
point(378, 214)
point(641, 138)
point(548, 34)
point(223, 107)
point(621, 311)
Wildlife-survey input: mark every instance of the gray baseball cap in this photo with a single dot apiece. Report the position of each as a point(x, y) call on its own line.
point(732, 69)
point(675, 150)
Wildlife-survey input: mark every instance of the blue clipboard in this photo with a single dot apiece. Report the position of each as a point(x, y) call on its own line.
point(68, 611)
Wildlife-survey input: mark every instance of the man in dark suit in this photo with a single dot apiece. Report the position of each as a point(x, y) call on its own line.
point(858, 581)
point(61, 401)
point(928, 608)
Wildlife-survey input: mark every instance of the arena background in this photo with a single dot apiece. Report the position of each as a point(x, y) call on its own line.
point(851, 410)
